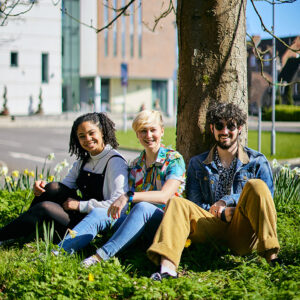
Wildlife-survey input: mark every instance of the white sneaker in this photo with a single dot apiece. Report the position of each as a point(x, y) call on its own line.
point(90, 261)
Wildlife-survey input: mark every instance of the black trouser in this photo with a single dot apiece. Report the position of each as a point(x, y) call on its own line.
point(46, 207)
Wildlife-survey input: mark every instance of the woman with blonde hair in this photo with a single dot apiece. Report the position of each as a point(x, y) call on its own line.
point(154, 177)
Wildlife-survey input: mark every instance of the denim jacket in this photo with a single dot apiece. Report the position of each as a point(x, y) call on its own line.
point(202, 176)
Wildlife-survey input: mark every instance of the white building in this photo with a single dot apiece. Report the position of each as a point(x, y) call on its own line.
point(30, 60)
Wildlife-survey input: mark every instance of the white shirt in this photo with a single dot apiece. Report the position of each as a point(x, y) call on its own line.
point(115, 180)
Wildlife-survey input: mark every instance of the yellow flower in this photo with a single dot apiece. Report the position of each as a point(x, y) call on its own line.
point(31, 174)
point(15, 173)
point(8, 179)
point(91, 277)
point(41, 176)
point(26, 172)
point(187, 243)
point(72, 233)
point(50, 178)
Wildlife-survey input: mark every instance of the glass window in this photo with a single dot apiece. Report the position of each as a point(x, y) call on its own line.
point(45, 67)
point(140, 27)
point(132, 30)
point(123, 31)
point(252, 61)
point(115, 36)
point(267, 61)
point(14, 59)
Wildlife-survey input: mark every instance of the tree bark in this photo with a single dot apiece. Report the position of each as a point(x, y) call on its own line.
point(212, 67)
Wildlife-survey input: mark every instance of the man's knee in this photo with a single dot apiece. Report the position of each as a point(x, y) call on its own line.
point(256, 186)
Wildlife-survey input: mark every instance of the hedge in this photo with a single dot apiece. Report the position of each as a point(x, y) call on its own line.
point(282, 113)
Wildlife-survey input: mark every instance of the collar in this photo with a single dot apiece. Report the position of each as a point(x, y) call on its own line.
point(104, 152)
point(160, 159)
point(241, 155)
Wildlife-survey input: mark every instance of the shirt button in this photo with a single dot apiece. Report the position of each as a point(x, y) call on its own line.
point(211, 182)
point(245, 178)
point(205, 178)
point(89, 174)
point(84, 186)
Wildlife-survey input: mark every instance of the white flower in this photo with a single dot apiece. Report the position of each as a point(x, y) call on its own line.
point(64, 163)
point(51, 156)
point(275, 163)
point(3, 171)
point(58, 168)
point(296, 171)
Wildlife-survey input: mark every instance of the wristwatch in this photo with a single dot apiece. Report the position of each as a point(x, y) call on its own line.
point(130, 195)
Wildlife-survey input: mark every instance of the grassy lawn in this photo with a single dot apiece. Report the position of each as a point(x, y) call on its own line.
point(287, 144)
point(29, 271)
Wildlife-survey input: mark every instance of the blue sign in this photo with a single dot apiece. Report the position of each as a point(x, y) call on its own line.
point(124, 74)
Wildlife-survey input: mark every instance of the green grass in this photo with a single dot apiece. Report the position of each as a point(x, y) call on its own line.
point(27, 271)
point(287, 144)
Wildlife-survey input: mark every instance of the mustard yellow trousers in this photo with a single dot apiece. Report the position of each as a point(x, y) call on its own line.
point(253, 225)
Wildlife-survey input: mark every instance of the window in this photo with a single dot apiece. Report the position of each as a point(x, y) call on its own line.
point(252, 61)
point(115, 37)
point(14, 59)
point(267, 61)
point(132, 30)
point(45, 68)
point(140, 27)
point(123, 36)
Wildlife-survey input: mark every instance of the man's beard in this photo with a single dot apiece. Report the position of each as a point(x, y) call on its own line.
point(223, 145)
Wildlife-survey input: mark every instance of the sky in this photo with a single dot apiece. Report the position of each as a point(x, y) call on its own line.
point(287, 19)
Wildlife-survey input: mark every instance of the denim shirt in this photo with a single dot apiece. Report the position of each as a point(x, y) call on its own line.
point(202, 176)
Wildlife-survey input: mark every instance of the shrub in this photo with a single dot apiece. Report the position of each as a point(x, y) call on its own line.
point(282, 113)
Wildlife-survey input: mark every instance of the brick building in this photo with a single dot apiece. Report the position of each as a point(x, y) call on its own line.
point(92, 62)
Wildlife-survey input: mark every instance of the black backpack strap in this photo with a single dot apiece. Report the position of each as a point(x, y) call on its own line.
point(116, 155)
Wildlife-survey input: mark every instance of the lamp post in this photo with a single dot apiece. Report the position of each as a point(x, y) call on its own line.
point(274, 81)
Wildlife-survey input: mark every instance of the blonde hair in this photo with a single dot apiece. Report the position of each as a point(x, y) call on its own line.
point(147, 118)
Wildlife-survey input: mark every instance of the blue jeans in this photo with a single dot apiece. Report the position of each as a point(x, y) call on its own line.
point(144, 218)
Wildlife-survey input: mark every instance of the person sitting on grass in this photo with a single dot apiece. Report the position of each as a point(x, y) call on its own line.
point(230, 201)
point(100, 174)
point(154, 177)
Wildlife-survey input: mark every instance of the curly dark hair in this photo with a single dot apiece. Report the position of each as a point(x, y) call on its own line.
point(106, 125)
point(227, 112)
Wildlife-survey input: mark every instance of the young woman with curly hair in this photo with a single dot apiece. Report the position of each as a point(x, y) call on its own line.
point(100, 174)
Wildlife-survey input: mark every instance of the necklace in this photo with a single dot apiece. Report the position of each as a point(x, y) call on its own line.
point(95, 164)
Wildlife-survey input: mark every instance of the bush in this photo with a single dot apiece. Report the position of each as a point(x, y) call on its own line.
point(282, 113)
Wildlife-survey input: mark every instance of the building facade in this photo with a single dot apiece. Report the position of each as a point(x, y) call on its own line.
point(30, 60)
point(149, 57)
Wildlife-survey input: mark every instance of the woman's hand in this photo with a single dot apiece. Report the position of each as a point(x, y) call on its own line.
point(116, 208)
point(38, 187)
point(71, 204)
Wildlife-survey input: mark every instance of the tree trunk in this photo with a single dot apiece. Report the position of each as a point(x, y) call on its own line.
point(212, 67)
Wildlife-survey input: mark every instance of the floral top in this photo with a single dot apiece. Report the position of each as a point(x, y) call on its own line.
point(169, 164)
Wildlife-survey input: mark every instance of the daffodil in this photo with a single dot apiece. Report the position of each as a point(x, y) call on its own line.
point(26, 172)
point(8, 179)
point(15, 173)
point(51, 156)
point(187, 243)
point(41, 176)
point(58, 168)
point(72, 233)
point(91, 277)
point(275, 163)
point(50, 178)
point(31, 174)
point(3, 171)
point(64, 163)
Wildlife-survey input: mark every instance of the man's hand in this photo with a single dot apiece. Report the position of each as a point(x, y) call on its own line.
point(116, 208)
point(38, 187)
point(71, 204)
point(217, 208)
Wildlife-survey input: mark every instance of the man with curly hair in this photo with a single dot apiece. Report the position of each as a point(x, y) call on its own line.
point(230, 202)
